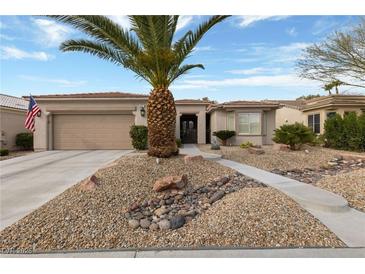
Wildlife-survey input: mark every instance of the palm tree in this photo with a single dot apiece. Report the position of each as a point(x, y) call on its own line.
point(334, 84)
point(150, 51)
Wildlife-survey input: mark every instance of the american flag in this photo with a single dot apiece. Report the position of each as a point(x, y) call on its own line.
point(33, 109)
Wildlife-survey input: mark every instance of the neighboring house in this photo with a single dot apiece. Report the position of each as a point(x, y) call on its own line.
point(12, 117)
point(103, 120)
point(314, 112)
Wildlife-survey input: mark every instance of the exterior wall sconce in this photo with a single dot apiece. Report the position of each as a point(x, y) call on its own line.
point(39, 113)
point(142, 111)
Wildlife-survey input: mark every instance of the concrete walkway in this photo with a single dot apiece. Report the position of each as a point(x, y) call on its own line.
point(331, 209)
point(206, 253)
point(29, 181)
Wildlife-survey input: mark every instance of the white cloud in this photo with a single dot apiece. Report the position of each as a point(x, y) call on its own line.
point(6, 37)
point(255, 71)
point(324, 24)
point(15, 53)
point(59, 82)
point(121, 20)
point(183, 21)
point(247, 20)
point(51, 33)
point(285, 80)
point(205, 48)
point(292, 31)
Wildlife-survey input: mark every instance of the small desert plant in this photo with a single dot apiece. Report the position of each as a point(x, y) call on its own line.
point(4, 152)
point(294, 135)
point(24, 140)
point(178, 142)
point(246, 144)
point(224, 135)
point(139, 137)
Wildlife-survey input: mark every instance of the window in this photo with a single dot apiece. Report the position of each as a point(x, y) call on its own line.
point(230, 121)
point(249, 123)
point(348, 112)
point(314, 122)
point(331, 114)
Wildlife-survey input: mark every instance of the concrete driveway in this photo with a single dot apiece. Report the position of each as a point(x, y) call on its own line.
point(28, 182)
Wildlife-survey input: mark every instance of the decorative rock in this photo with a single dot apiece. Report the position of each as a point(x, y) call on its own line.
point(177, 222)
point(281, 147)
point(144, 223)
point(153, 227)
point(133, 206)
point(217, 196)
point(164, 224)
point(161, 211)
point(192, 158)
point(90, 183)
point(170, 182)
point(133, 223)
point(255, 150)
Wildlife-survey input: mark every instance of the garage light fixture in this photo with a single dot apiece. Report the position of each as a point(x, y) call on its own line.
point(142, 111)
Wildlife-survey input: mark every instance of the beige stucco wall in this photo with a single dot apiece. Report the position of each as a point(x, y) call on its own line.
point(323, 114)
point(43, 133)
point(286, 115)
point(218, 120)
point(200, 112)
point(11, 123)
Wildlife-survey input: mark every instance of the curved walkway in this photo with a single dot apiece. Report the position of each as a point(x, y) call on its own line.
point(332, 210)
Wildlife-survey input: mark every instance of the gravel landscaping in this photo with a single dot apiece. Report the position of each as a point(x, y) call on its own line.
point(349, 185)
point(284, 160)
point(249, 217)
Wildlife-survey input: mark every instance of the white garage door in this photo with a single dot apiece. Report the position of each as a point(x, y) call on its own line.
point(92, 131)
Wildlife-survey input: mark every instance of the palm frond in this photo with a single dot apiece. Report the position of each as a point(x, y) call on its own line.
point(182, 70)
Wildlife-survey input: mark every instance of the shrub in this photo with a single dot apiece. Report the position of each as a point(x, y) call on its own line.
point(294, 135)
point(346, 133)
point(178, 142)
point(4, 152)
point(224, 135)
point(246, 144)
point(139, 135)
point(24, 140)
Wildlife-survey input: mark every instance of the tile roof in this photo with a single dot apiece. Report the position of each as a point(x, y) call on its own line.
point(13, 102)
point(193, 101)
point(242, 102)
point(290, 103)
point(95, 95)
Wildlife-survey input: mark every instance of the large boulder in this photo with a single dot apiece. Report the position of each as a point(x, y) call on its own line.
point(170, 182)
point(192, 158)
point(89, 184)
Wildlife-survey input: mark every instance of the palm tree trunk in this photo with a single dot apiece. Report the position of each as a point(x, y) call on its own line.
point(161, 122)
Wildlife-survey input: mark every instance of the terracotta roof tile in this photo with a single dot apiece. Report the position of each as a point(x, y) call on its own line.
point(193, 101)
point(13, 102)
point(94, 95)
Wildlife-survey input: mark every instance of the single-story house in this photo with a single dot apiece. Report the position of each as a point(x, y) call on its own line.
point(314, 112)
point(12, 116)
point(102, 120)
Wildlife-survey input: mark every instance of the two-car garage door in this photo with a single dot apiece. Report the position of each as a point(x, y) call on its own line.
point(92, 131)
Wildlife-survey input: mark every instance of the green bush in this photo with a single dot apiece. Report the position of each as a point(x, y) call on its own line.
point(294, 135)
point(224, 135)
point(139, 135)
point(24, 140)
point(246, 144)
point(4, 152)
point(346, 133)
point(178, 142)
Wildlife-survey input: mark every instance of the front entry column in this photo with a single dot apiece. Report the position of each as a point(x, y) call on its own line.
point(177, 131)
point(201, 127)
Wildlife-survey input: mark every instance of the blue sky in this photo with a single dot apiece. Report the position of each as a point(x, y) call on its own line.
point(245, 57)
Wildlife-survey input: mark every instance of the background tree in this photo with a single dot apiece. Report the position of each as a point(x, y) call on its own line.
point(150, 50)
point(334, 84)
point(341, 57)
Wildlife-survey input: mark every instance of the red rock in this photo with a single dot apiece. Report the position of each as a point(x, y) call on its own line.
point(90, 183)
point(192, 158)
point(170, 182)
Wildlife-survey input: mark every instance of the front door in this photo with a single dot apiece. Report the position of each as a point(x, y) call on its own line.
point(188, 129)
